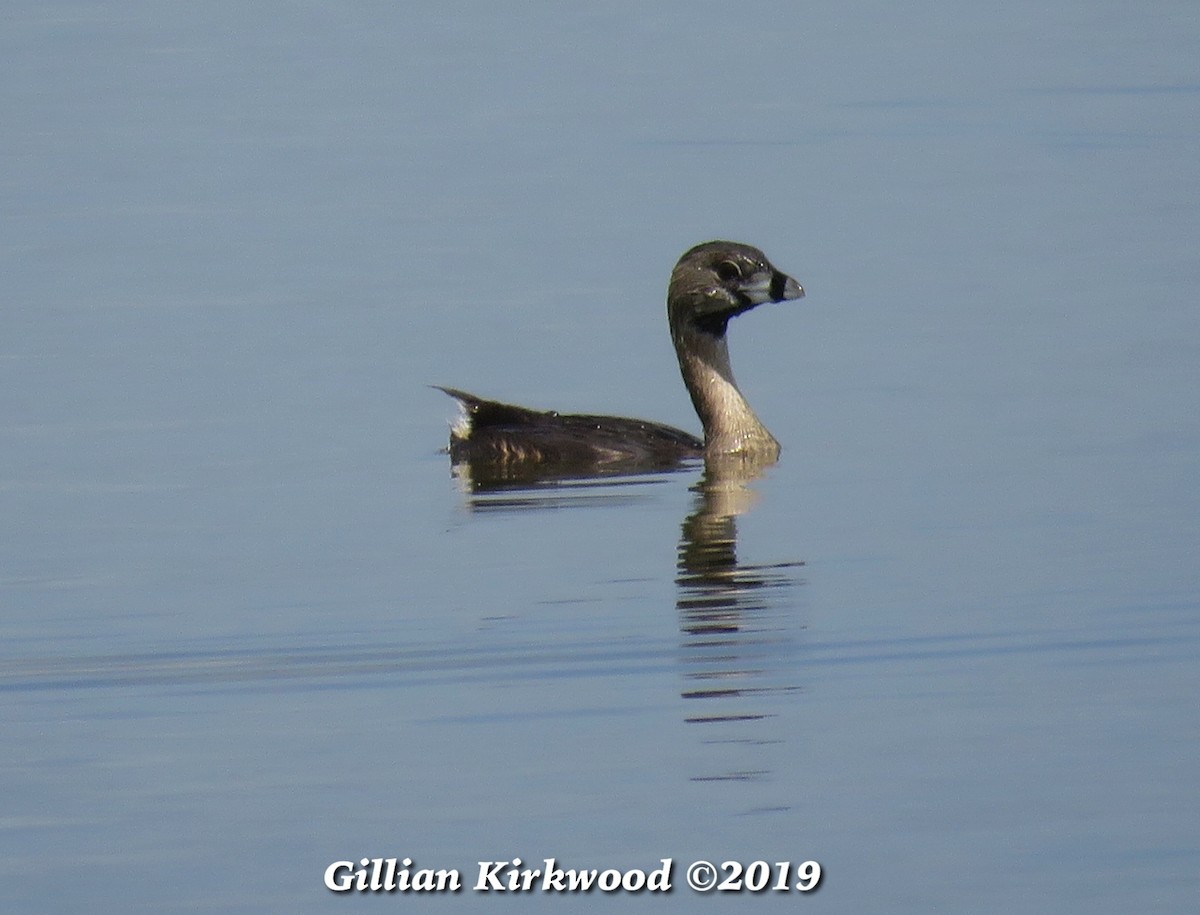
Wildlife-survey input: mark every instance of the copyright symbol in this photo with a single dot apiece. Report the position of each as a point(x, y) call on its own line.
point(701, 876)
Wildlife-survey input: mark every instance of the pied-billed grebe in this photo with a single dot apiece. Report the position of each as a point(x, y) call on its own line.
point(712, 283)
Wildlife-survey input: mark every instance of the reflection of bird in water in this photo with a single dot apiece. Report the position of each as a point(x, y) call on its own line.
point(737, 623)
point(718, 593)
point(711, 283)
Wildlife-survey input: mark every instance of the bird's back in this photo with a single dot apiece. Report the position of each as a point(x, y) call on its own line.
point(504, 434)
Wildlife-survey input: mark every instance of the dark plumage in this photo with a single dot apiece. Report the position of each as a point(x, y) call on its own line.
point(505, 433)
point(711, 283)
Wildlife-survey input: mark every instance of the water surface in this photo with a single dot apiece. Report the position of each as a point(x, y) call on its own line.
point(253, 624)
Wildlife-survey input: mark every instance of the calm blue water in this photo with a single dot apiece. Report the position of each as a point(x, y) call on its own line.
point(252, 624)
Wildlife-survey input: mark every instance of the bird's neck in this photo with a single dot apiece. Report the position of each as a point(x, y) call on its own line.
point(730, 425)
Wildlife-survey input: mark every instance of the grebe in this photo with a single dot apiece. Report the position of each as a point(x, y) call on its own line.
point(712, 283)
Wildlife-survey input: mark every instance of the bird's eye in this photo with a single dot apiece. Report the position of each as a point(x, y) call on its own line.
point(729, 271)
